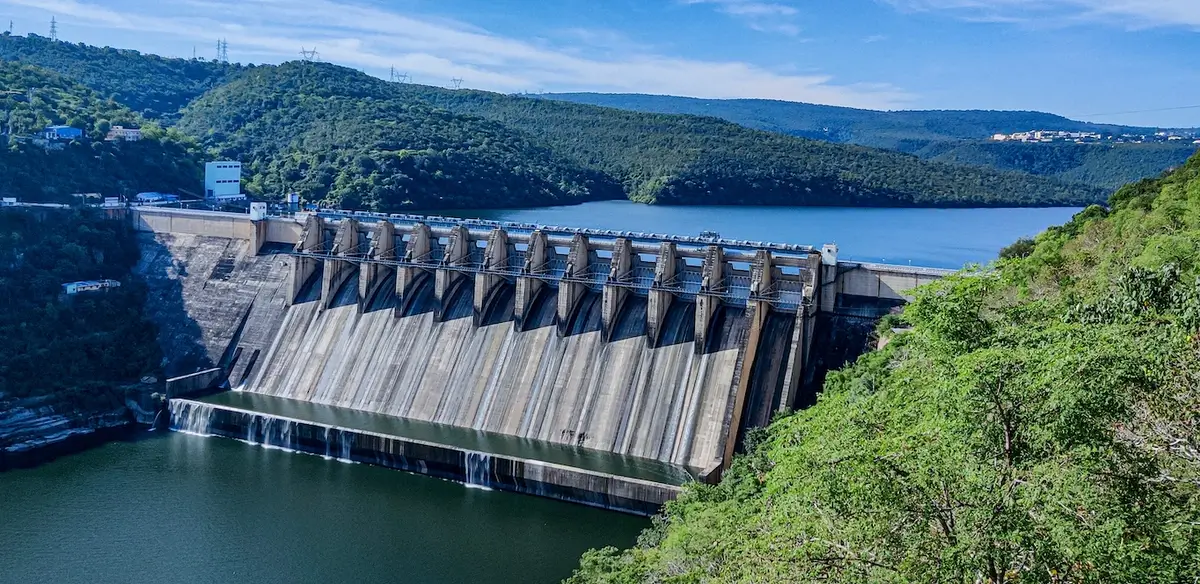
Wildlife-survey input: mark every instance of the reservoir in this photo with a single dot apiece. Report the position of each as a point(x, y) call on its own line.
point(935, 238)
point(183, 508)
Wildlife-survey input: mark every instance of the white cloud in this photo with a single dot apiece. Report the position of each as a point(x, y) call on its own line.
point(1134, 14)
point(761, 16)
point(435, 50)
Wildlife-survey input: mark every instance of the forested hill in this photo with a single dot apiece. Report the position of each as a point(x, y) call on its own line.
point(151, 85)
point(884, 129)
point(341, 137)
point(1032, 423)
point(320, 116)
point(35, 98)
point(946, 136)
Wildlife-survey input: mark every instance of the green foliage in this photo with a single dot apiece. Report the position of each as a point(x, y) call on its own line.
point(1039, 423)
point(163, 161)
point(945, 136)
point(343, 137)
point(1108, 166)
point(1018, 249)
point(151, 85)
point(52, 344)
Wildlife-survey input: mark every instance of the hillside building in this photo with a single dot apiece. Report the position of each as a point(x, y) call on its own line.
point(123, 134)
point(223, 180)
point(54, 133)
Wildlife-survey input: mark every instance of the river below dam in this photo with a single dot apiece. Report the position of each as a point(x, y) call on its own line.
point(174, 507)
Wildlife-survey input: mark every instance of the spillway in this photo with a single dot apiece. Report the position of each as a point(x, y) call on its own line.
point(666, 403)
point(599, 367)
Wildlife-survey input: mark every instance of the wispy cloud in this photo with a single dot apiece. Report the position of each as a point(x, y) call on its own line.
point(435, 50)
point(1132, 14)
point(758, 15)
point(875, 38)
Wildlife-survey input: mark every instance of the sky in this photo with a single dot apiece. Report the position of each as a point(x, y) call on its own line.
point(1133, 62)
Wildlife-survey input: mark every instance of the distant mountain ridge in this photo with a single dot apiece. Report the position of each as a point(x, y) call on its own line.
point(341, 137)
point(349, 138)
point(956, 136)
point(880, 129)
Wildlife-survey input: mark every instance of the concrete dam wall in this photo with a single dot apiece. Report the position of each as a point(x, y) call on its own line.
point(547, 344)
point(667, 402)
point(660, 348)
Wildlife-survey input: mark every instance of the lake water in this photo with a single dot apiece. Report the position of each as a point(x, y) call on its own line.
point(191, 510)
point(937, 238)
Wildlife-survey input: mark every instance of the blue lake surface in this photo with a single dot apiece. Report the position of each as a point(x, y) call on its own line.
point(939, 238)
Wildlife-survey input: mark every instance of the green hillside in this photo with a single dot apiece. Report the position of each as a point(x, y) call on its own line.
point(341, 137)
point(1108, 166)
point(1037, 423)
point(151, 85)
point(945, 135)
point(301, 116)
point(35, 98)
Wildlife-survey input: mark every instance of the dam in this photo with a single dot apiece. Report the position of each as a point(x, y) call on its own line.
point(595, 366)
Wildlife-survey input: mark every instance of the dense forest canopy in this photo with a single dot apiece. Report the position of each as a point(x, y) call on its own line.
point(153, 86)
point(943, 135)
point(34, 98)
point(91, 341)
point(385, 146)
point(340, 137)
point(1106, 165)
point(299, 124)
point(1037, 422)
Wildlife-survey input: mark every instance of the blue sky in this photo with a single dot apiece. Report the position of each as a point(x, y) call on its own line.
point(1088, 59)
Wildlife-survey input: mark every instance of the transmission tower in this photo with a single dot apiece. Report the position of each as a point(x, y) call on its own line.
point(53, 29)
point(398, 77)
point(310, 54)
point(456, 82)
point(10, 27)
point(223, 50)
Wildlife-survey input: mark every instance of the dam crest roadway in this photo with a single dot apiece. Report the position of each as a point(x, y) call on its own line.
point(640, 346)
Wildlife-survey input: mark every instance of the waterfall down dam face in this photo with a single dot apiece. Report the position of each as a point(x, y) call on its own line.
point(632, 347)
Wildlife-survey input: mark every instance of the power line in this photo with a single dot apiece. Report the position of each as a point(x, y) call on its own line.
point(1146, 111)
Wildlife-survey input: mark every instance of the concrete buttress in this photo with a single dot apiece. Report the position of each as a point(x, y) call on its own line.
point(707, 305)
point(372, 275)
point(339, 271)
point(802, 335)
point(528, 284)
point(614, 294)
point(457, 254)
point(495, 259)
point(420, 245)
point(312, 239)
point(659, 297)
point(572, 288)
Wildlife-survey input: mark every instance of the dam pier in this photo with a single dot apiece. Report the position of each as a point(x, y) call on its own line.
point(564, 346)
